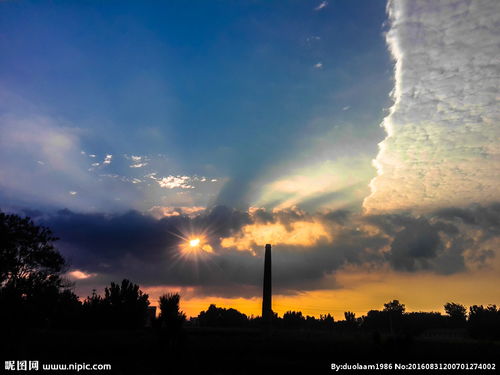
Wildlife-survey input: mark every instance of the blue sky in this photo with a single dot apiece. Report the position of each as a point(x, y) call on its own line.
point(221, 89)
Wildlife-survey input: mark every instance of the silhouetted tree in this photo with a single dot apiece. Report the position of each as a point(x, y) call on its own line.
point(31, 270)
point(28, 259)
point(170, 315)
point(376, 320)
point(484, 322)
point(67, 310)
point(388, 319)
point(456, 312)
point(326, 321)
point(220, 317)
point(123, 306)
point(293, 319)
point(350, 319)
point(349, 316)
point(96, 312)
point(415, 323)
point(394, 307)
point(395, 311)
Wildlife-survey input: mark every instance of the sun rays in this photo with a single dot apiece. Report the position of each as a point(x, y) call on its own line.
point(193, 251)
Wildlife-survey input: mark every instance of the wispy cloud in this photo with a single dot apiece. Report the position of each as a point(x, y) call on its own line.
point(166, 211)
point(313, 38)
point(322, 5)
point(137, 160)
point(138, 165)
point(43, 163)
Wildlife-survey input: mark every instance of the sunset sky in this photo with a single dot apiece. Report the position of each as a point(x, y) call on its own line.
point(168, 142)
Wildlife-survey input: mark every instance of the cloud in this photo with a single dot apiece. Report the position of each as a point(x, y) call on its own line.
point(179, 181)
point(298, 233)
point(107, 159)
point(172, 182)
point(138, 165)
point(318, 65)
point(137, 161)
point(160, 212)
point(80, 275)
point(43, 159)
point(308, 250)
point(42, 165)
point(322, 5)
point(442, 146)
point(39, 161)
point(476, 215)
point(313, 38)
point(416, 247)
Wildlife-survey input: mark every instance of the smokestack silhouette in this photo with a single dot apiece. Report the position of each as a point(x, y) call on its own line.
point(267, 311)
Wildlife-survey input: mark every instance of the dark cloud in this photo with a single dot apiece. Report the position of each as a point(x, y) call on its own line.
point(222, 221)
point(486, 217)
point(338, 216)
point(146, 250)
point(418, 243)
point(413, 246)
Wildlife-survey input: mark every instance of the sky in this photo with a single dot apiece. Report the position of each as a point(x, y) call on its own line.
point(168, 142)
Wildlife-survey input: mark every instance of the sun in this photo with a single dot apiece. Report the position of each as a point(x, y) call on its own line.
point(194, 245)
point(194, 242)
point(197, 245)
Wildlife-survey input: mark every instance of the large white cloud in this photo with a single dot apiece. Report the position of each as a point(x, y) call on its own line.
point(442, 146)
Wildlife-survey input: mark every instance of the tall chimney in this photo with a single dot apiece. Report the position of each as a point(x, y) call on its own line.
point(267, 291)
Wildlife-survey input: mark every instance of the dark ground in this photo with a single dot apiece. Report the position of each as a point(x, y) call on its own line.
point(235, 351)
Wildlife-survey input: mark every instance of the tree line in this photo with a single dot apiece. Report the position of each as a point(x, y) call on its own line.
point(478, 322)
point(34, 294)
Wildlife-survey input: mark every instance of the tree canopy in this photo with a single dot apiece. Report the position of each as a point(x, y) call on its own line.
point(394, 307)
point(456, 311)
point(32, 290)
point(170, 315)
point(28, 259)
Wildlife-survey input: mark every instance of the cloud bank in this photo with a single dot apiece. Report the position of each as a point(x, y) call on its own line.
point(442, 146)
point(308, 249)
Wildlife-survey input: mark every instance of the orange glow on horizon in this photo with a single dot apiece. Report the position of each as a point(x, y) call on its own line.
point(359, 292)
